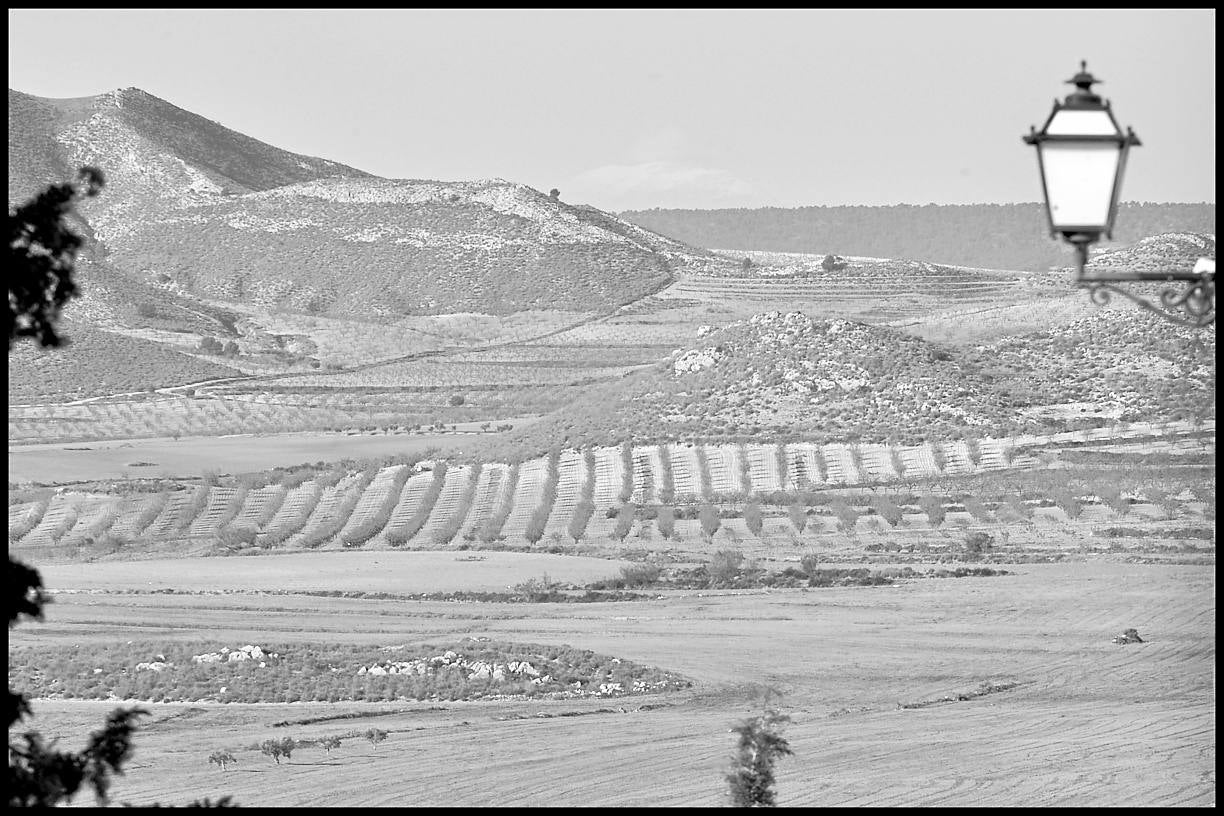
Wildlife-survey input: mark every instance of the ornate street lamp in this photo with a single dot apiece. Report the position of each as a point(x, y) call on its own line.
point(1081, 153)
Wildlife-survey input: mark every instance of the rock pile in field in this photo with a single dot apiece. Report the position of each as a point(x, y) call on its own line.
point(1129, 636)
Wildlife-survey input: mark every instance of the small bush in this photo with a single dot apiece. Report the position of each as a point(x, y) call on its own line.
point(666, 522)
point(752, 518)
point(724, 567)
point(797, 514)
point(640, 575)
point(978, 543)
point(934, 509)
point(707, 514)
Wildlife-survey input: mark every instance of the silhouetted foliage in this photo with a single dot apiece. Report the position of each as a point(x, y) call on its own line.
point(40, 776)
point(42, 252)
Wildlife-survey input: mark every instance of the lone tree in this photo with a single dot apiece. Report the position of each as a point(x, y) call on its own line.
point(221, 758)
point(375, 736)
point(328, 743)
point(278, 748)
point(751, 778)
point(833, 263)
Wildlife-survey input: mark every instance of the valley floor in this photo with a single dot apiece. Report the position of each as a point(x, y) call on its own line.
point(870, 676)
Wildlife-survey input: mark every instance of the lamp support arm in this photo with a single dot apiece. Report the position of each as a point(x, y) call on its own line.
point(1192, 306)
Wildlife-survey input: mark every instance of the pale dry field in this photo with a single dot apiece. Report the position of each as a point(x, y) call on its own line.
point(189, 457)
point(1090, 723)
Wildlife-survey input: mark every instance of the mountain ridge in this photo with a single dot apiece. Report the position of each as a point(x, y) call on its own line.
point(205, 211)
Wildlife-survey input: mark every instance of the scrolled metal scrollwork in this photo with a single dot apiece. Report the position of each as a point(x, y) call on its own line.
point(1196, 301)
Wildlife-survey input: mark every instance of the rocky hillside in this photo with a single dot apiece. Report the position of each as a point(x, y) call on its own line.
point(395, 247)
point(1156, 253)
point(788, 376)
point(203, 211)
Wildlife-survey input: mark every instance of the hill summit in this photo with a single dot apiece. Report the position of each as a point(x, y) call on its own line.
point(203, 211)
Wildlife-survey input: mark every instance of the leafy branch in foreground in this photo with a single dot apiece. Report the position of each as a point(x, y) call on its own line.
point(42, 251)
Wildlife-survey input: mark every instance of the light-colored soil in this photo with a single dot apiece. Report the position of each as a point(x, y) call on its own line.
point(386, 571)
point(188, 457)
point(1090, 723)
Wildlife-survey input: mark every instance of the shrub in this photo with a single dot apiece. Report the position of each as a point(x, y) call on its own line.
point(973, 450)
point(626, 492)
point(810, 564)
point(456, 400)
point(1067, 501)
point(887, 510)
point(833, 263)
point(331, 526)
point(624, 521)
point(975, 508)
point(822, 464)
point(450, 528)
point(233, 507)
point(977, 543)
point(847, 516)
point(237, 535)
point(752, 518)
point(539, 516)
point(150, 513)
point(581, 518)
point(30, 520)
point(492, 527)
point(724, 567)
point(1111, 495)
point(372, 526)
point(413, 526)
point(707, 514)
point(1162, 499)
point(745, 469)
point(933, 507)
point(856, 457)
point(221, 759)
point(666, 521)
point(798, 516)
point(278, 748)
point(703, 473)
point(898, 463)
point(760, 744)
point(189, 511)
point(939, 457)
point(640, 575)
point(781, 462)
point(667, 486)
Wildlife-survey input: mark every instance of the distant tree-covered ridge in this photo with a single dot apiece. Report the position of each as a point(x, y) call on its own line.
point(989, 236)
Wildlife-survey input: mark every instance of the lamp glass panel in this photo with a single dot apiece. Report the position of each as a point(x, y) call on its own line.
point(1079, 182)
point(1069, 122)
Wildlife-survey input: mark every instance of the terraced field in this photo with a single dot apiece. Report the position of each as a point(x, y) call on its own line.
point(396, 509)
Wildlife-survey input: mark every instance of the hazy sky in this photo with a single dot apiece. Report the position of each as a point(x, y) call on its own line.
point(638, 108)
